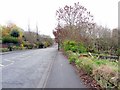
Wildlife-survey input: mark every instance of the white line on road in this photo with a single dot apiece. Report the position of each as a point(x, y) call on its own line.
point(12, 62)
point(1, 65)
point(8, 65)
point(8, 60)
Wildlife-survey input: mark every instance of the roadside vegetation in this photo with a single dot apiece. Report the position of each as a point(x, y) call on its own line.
point(104, 71)
point(89, 46)
point(15, 38)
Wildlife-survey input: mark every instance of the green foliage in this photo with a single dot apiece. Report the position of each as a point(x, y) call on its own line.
point(78, 63)
point(86, 64)
point(74, 46)
point(118, 52)
point(69, 45)
point(4, 49)
point(106, 75)
point(28, 45)
point(81, 48)
point(15, 33)
point(45, 44)
point(104, 69)
point(105, 62)
point(99, 62)
point(73, 57)
point(17, 48)
point(9, 39)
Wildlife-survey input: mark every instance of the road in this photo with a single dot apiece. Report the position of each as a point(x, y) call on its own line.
point(40, 68)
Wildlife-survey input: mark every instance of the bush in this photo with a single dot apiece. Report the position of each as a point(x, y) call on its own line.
point(68, 53)
point(74, 46)
point(87, 65)
point(118, 52)
point(14, 47)
point(30, 46)
point(73, 57)
point(68, 45)
point(105, 72)
point(9, 39)
point(78, 63)
point(41, 45)
point(99, 62)
point(4, 49)
point(81, 48)
point(15, 33)
point(17, 48)
point(106, 76)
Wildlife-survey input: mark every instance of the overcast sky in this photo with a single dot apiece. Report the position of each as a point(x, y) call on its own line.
point(42, 12)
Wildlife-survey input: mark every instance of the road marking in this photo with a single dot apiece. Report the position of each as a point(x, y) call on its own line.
point(21, 57)
point(7, 65)
point(8, 60)
point(48, 71)
point(1, 65)
point(12, 62)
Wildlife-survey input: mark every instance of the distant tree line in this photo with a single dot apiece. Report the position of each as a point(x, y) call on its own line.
point(16, 38)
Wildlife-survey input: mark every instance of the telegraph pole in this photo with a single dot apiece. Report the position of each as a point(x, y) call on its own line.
point(58, 27)
point(29, 27)
point(37, 38)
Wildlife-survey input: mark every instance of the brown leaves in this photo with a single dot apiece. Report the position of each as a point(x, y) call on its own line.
point(76, 22)
point(72, 14)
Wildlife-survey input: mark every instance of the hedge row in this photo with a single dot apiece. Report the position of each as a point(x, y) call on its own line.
point(74, 46)
point(103, 71)
point(9, 39)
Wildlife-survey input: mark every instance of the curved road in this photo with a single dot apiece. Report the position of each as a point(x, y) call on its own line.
point(40, 68)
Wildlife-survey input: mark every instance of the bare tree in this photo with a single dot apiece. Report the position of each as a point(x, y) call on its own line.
point(74, 23)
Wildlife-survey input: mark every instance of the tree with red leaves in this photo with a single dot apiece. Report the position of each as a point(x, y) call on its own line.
point(74, 23)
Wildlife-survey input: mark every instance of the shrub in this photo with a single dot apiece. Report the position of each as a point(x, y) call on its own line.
point(4, 49)
point(105, 72)
point(41, 45)
point(74, 49)
point(78, 63)
point(106, 76)
point(81, 48)
point(118, 52)
point(74, 46)
point(30, 46)
point(87, 65)
point(15, 33)
point(99, 62)
point(9, 39)
point(68, 53)
point(73, 57)
point(14, 47)
point(69, 45)
point(18, 48)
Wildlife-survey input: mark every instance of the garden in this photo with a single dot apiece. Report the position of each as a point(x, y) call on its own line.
point(15, 38)
point(91, 48)
point(104, 71)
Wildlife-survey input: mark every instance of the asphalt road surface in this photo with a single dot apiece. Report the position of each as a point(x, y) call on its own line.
point(40, 68)
point(63, 74)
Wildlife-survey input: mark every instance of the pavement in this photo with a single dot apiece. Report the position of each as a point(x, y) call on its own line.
point(40, 68)
point(63, 75)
